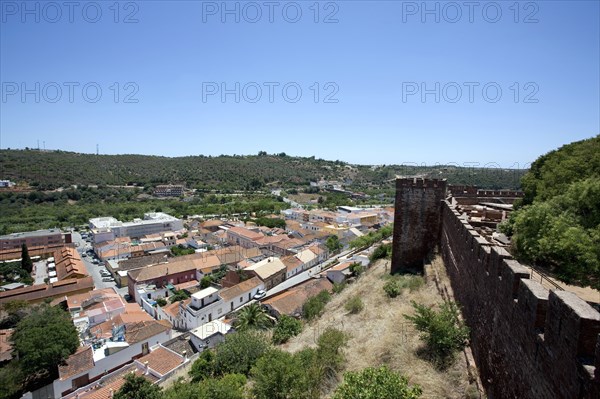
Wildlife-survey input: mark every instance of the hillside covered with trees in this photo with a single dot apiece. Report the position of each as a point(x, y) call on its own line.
point(558, 223)
point(47, 170)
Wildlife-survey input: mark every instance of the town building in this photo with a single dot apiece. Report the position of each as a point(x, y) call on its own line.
point(53, 291)
point(169, 190)
point(272, 271)
point(209, 304)
point(40, 238)
point(152, 223)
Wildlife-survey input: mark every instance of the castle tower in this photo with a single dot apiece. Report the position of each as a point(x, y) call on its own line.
point(417, 221)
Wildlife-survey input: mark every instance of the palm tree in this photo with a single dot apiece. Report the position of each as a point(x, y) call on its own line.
point(252, 316)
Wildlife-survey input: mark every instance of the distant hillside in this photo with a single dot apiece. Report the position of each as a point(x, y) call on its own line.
point(53, 169)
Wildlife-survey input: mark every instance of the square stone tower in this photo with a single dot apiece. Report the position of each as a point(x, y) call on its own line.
point(417, 221)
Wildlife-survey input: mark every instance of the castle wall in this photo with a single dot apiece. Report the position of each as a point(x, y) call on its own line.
point(527, 342)
point(417, 221)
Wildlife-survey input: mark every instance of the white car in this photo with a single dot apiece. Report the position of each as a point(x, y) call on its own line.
point(260, 294)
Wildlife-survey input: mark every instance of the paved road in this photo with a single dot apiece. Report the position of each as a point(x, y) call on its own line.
point(286, 200)
point(306, 275)
point(92, 269)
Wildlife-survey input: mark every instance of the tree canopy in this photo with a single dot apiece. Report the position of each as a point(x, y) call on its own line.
point(557, 225)
point(376, 383)
point(138, 387)
point(44, 339)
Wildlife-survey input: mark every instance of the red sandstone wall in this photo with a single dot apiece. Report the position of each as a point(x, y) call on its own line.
point(527, 342)
point(417, 221)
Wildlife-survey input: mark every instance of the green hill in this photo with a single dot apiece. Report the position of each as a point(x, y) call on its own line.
point(53, 169)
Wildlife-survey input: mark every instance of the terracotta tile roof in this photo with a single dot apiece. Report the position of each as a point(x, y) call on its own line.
point(112, 384)
point(162, 360)
point(138, 332)
point(267, 268)
point(212, 223)
point(290, 302)
point(240, 289)
point(36, 293)
point(92, 298)
point(5, 345)
point(173, 308)
point(341, 266)
point(143, 261)
point(77, 363)
point(272, 239)
point(291, 262)
point(69, 264)
point(245, 233)
point(291, 243)
point(316, 249)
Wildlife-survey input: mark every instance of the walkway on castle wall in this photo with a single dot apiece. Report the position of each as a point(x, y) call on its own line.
point(588, 294)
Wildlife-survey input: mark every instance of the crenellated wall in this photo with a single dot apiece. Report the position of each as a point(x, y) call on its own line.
point(527, 342)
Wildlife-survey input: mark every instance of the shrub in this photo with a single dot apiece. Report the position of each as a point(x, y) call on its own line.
point(287, 328)
point(161, 302)
point(357, 269)
point(392, 288)
point(376, 383)
point(338, 287)
point(413, 283)
point(354, 305)
point(443, 332)
point(381, 252)
point(315, 305)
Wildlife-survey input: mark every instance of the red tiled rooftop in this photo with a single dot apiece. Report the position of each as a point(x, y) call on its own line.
point(162, 360)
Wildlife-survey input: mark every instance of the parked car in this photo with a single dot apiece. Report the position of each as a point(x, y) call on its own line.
point(108, 279)
point(260, 294)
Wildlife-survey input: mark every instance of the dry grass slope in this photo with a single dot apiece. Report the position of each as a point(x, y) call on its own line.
point(380, 335)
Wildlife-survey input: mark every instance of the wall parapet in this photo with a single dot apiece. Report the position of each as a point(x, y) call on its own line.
point(528, 342)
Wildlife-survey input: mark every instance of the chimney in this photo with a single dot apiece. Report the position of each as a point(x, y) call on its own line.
point(112, 393)
point(146, 367)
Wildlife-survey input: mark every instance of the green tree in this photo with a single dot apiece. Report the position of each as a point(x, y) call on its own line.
point(12, 378)
point(286, 328)
point(239, 352)
point(138, 387)
point(333, 244)
point(278, 375)
point(26, 262)
point(204, 367)
point(376, 383)
point(252, 316)
point(443, 331)
point(44, 339)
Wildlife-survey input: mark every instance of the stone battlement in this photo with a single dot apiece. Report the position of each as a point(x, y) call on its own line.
point(419, 182)
point(528, 342)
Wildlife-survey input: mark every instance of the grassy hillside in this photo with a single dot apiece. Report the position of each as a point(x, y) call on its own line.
point(53, 169)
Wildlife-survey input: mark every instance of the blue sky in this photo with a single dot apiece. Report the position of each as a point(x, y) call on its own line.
point(381, 82)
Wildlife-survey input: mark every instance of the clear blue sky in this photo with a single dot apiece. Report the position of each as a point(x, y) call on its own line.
point(377, 56)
